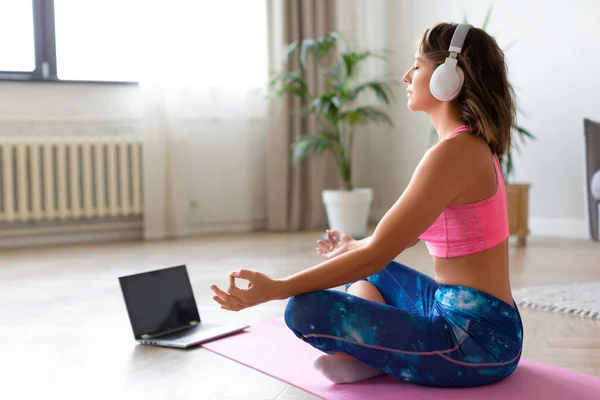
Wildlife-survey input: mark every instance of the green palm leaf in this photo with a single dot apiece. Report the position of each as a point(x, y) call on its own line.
point(319, 48)
point(353, 60)
point(288, 83)
point(364, 115)
point(506, 163)
point(524, 133)
point(336, 75)
point(326, 106)
point(487, 17)
point(313, 144)
point(381, 90)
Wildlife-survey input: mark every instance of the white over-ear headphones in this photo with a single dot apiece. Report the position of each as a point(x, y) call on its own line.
point(447, 79)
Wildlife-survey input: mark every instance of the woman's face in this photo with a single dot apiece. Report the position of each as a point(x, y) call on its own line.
point(417, 78)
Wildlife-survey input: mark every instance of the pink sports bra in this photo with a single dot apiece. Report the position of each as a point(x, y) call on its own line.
point(470, 228)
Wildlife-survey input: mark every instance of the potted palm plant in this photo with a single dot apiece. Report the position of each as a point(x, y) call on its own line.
point(338, 109)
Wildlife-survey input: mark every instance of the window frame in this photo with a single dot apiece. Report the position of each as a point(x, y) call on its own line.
point(44, 36)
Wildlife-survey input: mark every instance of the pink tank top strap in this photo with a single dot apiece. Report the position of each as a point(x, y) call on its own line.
point(461, 128)
point(497, 162)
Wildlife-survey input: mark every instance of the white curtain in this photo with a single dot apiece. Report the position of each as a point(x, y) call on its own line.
point(203, 90)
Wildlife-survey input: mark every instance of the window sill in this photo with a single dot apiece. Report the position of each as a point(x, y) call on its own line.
point(28, 79)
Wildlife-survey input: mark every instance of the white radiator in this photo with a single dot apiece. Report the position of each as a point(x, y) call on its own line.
point(46, 179)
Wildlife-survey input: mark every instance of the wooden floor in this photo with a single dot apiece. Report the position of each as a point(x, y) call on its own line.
point(64, 330)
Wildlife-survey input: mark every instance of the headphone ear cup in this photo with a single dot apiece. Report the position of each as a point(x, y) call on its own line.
point(435, 86)
point(446, 82)
point(461, 81)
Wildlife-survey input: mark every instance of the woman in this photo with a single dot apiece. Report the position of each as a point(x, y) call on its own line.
point(460, 328)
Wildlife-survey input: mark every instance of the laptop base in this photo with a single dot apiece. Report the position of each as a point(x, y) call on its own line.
point(192, 337)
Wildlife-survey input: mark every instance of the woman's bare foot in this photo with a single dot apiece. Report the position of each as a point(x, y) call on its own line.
point(341, 368)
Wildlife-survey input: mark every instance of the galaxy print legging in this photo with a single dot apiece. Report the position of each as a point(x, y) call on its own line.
point(427, 333)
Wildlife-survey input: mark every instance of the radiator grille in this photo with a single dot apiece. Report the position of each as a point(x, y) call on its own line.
point(44, 179)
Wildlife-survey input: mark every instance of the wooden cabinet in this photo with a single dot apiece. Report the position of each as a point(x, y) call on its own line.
point(518, 211)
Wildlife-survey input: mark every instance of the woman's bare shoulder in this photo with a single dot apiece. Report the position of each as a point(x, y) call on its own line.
point(461, 153)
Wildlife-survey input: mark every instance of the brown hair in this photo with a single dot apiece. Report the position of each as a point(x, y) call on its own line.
point(487, 101)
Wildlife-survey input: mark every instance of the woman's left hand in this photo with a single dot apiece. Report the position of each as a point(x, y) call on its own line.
point(261, 289)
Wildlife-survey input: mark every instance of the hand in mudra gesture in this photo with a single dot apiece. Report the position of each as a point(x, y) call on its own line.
point(260, 289)
point(339, 243)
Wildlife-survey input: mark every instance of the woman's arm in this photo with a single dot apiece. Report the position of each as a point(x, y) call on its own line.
point(367, 240)
point(347, 267)
point(433, 186)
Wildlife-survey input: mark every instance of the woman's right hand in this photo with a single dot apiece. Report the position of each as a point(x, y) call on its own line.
point(339, 243)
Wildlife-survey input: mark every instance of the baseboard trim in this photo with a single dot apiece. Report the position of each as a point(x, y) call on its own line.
point(559, 227)
point(71, 234)
point(227, 227)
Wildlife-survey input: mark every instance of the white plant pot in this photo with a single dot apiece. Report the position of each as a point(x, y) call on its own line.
point(348, 210)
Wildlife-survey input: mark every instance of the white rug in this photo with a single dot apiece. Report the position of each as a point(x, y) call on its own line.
point(582, 299)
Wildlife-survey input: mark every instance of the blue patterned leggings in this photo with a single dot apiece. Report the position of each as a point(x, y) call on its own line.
point(427, 333)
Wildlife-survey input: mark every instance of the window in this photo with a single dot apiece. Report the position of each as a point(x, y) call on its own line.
point(209, 45)
point(97, 40)
point(70, 40)
point(17, 47)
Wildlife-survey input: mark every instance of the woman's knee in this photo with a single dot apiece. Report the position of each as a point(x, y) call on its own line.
point(306, 311)
point(301, 310)
point(366, 290)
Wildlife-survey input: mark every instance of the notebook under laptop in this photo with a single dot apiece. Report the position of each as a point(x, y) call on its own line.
point(162, 310)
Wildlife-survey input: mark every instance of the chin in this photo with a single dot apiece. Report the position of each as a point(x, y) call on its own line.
point(412, 106)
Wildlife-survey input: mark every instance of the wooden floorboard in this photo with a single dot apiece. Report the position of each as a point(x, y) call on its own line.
point(64, 330)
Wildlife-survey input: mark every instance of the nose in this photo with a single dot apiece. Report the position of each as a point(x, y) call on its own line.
point(406, 77)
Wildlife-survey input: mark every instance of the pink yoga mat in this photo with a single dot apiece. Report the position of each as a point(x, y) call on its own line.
point(270, 347)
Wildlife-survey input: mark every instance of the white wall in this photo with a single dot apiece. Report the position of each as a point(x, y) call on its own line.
point(28, 99)
point(552, 66)
point(49, 109)
point(224, 182)
point(58, 109)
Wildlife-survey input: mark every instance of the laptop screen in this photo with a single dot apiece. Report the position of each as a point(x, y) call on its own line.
point(159, 301)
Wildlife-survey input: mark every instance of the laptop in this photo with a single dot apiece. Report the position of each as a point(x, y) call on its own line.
point(162, 310)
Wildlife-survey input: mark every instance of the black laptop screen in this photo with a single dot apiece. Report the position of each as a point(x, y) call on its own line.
point(159, 301)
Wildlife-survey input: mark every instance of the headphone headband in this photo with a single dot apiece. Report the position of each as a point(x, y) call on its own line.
point(458, 38)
